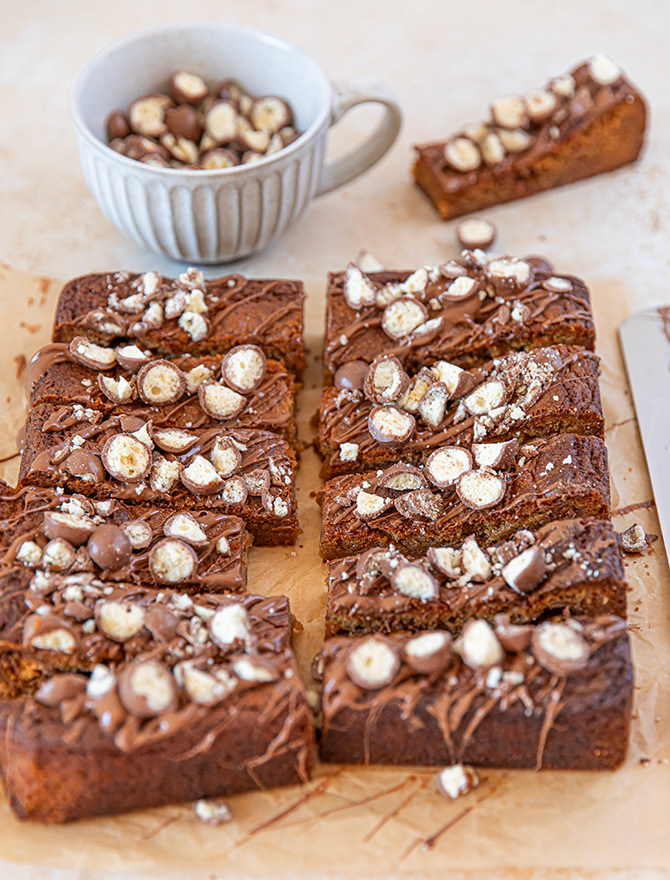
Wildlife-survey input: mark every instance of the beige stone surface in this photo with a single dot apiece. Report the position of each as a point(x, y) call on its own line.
point(446, 62)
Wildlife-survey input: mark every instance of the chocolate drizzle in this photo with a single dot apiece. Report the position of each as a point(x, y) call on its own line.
point(573, 115)
point(46, 462)
point(54, 376)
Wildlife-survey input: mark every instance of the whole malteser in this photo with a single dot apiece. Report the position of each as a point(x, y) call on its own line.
point(109, 547)
point(541, 263)
point(183, 122)
point(243, 368)
point(117, 125)
point(351, 376)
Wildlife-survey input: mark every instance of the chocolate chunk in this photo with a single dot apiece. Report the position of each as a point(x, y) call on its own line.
point(420, 504)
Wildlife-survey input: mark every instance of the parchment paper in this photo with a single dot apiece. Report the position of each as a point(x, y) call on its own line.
point(387, 822)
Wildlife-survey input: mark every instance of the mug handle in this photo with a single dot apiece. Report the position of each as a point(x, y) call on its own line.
point(347, 93)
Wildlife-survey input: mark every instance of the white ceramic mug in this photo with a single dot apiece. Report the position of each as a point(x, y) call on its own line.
point(220, 215)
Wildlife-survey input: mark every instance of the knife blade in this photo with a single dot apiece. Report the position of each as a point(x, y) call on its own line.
point(645, 343)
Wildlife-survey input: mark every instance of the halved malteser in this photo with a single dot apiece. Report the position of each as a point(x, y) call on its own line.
point(131, 357)
point(172, 561)
point(429, 652)
point(410, 399)
point(401, 318)
point(495, 455)
point(459, 382)
point(258, 481)
point(480, 488)
point(91, 355)
point(390, 425)
point(200, 477)
point(219, 401)
point(117, 390)
point(174, 440)
point(126, 458)
point(403, 478)
point(369, 505)
point(160, 382)
point(433, 405)
point(479, 646)
point(225, 457)
point(413, 580)
point(526, 571)
point(373, 663)
point(446, 465)
point(385, 380)
point(185, 526)
point(486, 397)
point(164, 474)
point(359, 292)
point(234, 491)
point(243, 368)
point(139, 533)
point(71, 527)
point(147, 688)
point(119, 621)
point(560, 647)
point(509, 273)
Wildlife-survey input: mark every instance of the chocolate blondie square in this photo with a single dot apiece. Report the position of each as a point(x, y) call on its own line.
point(584, 123)
point(570, 565)
point(490, 493)
point(243, 472)
point(185, 315)
point(389, 415)
point(553, 695)
point(464, 311)
point(154, 698)
point(239, 389)
point(51, 536)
